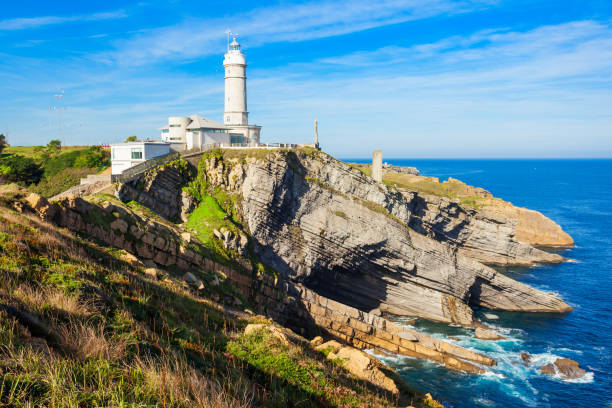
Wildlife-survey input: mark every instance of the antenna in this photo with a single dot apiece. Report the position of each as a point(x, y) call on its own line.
point(316, 134)
point(228, 32)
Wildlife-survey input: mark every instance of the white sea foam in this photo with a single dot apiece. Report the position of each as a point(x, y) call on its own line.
point(567, 350)
point(491, 316)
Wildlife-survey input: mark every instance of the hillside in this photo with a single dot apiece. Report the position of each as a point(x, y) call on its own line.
point(245, 278)
point(48, 170)
point(86, 324)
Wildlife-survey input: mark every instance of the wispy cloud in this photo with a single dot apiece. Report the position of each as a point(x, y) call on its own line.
point(198, 37)
point(36, 22)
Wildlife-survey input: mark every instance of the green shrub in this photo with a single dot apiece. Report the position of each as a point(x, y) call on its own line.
point(62, 181)
point(90, 157)
point(19, 169)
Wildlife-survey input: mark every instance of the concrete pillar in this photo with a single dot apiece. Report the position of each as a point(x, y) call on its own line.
point(377, 165)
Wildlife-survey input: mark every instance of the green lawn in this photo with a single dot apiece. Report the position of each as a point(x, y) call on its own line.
point(205, 218)
point(35, 151)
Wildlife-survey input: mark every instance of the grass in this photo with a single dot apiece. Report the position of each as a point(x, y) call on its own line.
point(62, 181)
point(314, 380)
point(80, 327)
point(451, 188)
point(35, 151)
point(60, 170)
point(205, 218)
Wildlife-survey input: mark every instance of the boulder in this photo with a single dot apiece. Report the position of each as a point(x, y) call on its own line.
point(193, 281)
point(526, 357)
point(152, 272)
point(131, 259)
point(217, 234)
point(189, 278)
point(364, 366)
point(276, 332)
point(36, 201)
point(332, 345)
point(565, 367)
point(485, 334)
point(42, 206)
point(316, 341)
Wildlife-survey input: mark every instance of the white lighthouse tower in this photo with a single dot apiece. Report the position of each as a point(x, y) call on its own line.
point(236, 116)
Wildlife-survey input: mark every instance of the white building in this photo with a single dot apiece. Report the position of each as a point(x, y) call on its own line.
point(126, 155)
point(195, 131)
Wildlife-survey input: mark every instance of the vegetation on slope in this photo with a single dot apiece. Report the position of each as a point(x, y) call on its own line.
point(82, 326)
point(52, 169)
point(450, 188)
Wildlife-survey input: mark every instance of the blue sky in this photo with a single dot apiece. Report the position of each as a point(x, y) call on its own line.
point(416, 78)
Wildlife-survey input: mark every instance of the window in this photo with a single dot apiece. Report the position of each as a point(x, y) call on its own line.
point(235, 139)
point(136, 153)
point(165, 130)
point(175, 125)
point(113, 152)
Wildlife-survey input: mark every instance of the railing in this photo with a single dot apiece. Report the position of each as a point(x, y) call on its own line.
point(212, 146)
point(132, 172)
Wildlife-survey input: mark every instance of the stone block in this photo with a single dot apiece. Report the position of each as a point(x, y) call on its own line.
point(356, 324)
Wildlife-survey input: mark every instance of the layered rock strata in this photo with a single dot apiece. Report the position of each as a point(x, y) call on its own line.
point(288, 303)
point(333, 229)
point(158, 189)
point(483, 227)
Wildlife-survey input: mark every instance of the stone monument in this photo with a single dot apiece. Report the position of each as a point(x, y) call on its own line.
point(377, 165)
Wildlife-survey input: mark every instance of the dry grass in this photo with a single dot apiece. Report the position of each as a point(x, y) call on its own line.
point(44, 298)
point(176, 383)
point(91, 341)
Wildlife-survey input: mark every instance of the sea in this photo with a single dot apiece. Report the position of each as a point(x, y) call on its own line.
point(576, 194)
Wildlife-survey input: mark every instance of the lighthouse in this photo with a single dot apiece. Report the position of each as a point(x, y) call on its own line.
point(235, 115)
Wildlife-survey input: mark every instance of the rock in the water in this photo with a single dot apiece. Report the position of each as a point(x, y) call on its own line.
point(526, 357)
point(485, 334)
point(565, 367)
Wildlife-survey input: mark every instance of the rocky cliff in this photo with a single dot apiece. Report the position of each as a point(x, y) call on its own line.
point(481, 226)
point(323, 224)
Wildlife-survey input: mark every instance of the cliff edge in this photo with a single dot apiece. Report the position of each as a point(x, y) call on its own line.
point(483, 227)
point(319, 222)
